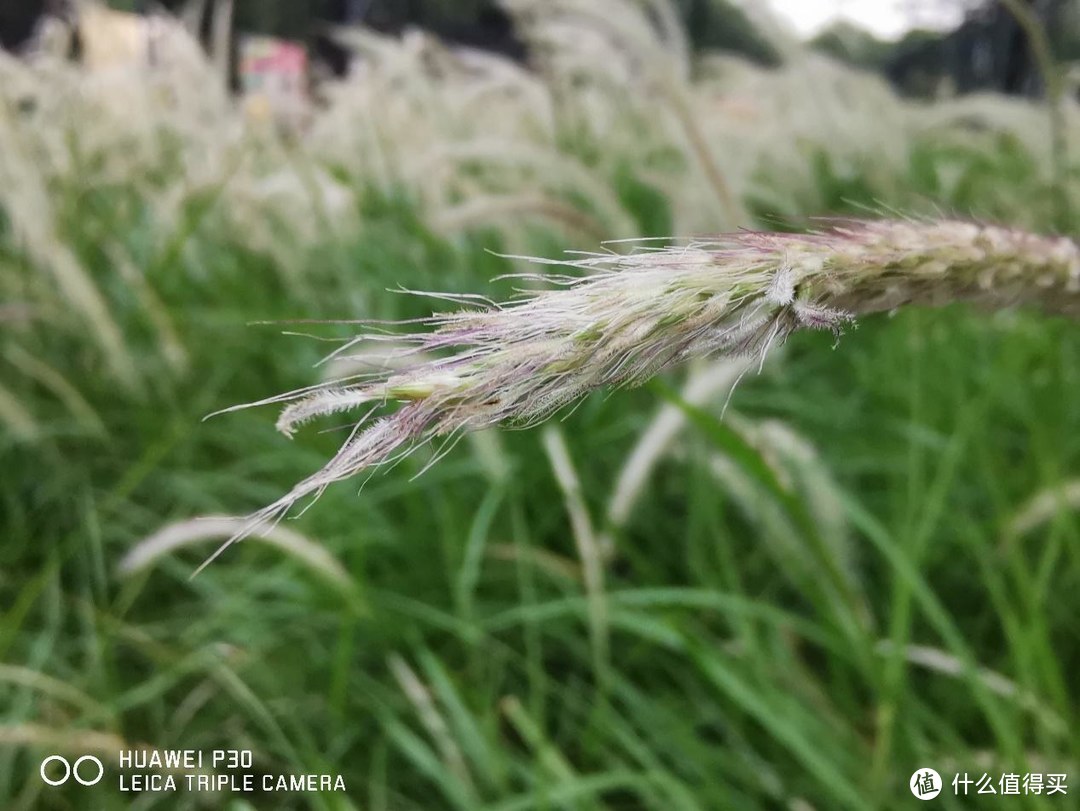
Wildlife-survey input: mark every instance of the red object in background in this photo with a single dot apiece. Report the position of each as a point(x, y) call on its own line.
point(274, 79)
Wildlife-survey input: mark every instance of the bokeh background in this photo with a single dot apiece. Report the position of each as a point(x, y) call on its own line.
point(871, 564)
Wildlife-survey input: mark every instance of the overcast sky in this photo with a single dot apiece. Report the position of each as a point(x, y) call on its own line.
point(889, 19)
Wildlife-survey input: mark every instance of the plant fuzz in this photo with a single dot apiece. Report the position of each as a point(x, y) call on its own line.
point(630, 316)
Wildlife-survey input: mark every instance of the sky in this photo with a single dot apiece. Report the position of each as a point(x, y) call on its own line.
point(888, 19)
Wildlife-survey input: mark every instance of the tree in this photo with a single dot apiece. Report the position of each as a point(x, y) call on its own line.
point(856, 46)
point(721, 25)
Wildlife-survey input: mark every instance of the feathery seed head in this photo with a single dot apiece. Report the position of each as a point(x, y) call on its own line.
point(629, 316)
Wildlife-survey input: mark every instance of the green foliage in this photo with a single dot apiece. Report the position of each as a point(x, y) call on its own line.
point(755, 654)
point(721, 25)
point(854, 45)
point(987, 175)
point(814, 594)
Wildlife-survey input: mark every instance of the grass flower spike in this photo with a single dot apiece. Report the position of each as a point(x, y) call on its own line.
point(619, 319)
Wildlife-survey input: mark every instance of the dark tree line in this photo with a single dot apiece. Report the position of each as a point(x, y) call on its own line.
point(18, 18)
point(480, 23)
point(989, 51)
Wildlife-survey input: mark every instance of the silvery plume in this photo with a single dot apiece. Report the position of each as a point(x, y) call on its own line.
point(614, 319)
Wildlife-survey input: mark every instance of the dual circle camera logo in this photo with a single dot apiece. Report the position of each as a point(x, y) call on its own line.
point(87, 770)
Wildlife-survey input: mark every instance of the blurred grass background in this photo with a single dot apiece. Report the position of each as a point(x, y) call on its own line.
point(870, 565)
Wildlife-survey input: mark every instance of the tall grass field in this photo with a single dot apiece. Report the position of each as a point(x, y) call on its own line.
point(783, 579)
